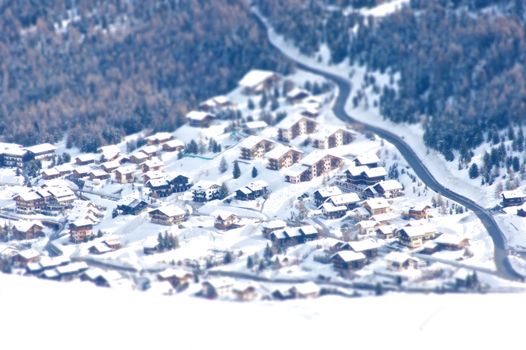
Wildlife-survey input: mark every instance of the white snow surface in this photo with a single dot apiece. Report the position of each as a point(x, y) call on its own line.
point(59, 311)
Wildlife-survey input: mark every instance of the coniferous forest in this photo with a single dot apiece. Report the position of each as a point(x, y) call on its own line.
point(96, 70)
point(461, 62)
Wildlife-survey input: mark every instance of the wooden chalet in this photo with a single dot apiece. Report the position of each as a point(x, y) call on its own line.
point(377, 206)
point(307, 290)
point(173, 146)
point(297, 95)
point(85, 159)
point(389, 188)
point(255, 147)
point(168, 215)
point(317, 163)
point(159, 138)
point(397, 261)
point(415, 236)
point(252, 191)
point(43, 151)
point(13, 156)
point(50, 174)
point(330, 137)
point(449, 241)
point(200, 119)
point(138, 157)
point(512, 198)
point(321, 195)
point(125, 174)
point(291, 236)
point(205, 191)
point(176, 277)
point(419, 212)
point(244, 292)
point(159, 188)
point(348, 260)
point(282, 157)
point(81, 230)
point(270, 226)
point(258, 81)
point(154, 164)
point(294, 126)
point(132, 206)
point(226, 220)
point(27, 230)
point(369, 160)
point(179, 182)
point(98, 174)
point(386, 231)
point(255, 127)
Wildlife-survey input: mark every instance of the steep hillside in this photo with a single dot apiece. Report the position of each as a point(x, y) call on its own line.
point(460, 61)
point(101, 69)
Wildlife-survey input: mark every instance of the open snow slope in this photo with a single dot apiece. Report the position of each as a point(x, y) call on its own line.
point(39, 314)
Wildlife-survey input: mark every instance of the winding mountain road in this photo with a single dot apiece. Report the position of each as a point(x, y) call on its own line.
point(502, 263)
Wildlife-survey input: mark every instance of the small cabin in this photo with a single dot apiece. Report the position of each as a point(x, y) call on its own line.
point(226, 220)
point(169, 215)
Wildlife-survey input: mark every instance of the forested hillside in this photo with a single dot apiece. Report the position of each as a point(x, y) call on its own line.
point(461, 62)
point(98, 70)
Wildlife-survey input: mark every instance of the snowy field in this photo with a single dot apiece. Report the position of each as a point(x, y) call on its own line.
point(84, 317)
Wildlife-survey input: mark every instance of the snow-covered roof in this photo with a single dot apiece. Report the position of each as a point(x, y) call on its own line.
point(28, 196)
point(419, 207)
point(308, 230)
point(65, 168)
point(296, 92)
point(251, 141)
point(174, 143)
point(98, 173)
point(139, 155)
point(82, 223)
point(365, 224)
point(364, 245)
point(418, 231)
point(398, 257)
point(329, 191)
point(177, 273)
point(154, 174)
point(198, 115)
point(386, 229)
point(315, 156)
point(375, 172)
point(72, 268)
point(204, 185)
point(295, 170)
point(60, 191)
point(512, 194)
point(28, 254)
point(274, 224)
point(86, 157)
point(344, 199)
point(160, 137)
point(14, 151)
point(356, 170)
point(291, 120)
point(279, 151)
point(128, 169)
point(42, 148)
point(449, 238)
point(255, 77)
point(257, 124)
point(377, 203)
point(384, 217)
point(306, 288)
point(330, 208)
point(367, 159)
point(170, 210)
point(349, 255)
point(157, 182)
point(24, 226)
point(257, 185)
point(223, 214)
point(390, 185)
point(83, 169)
point(114, 164)
point(110, 151)
point(153, 163)
point(151, 149)
point(51, 172)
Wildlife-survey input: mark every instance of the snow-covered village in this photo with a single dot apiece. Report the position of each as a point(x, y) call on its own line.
point(263, 194)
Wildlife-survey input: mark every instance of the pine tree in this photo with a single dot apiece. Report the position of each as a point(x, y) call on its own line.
point(227, 259)
point(474, 171)
point(267, 253)
point(250, 104)
point(254, 172)
point(263, 102)
point(516, 164)
point(223, 165)
point(223, 191)
point(250, 262)
point(236, 171)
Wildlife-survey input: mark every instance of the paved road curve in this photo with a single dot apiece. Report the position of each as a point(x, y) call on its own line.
point(504, 268)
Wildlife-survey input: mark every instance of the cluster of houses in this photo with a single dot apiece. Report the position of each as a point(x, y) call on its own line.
point(14, 156)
